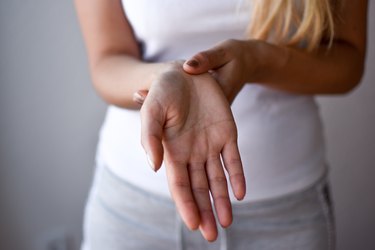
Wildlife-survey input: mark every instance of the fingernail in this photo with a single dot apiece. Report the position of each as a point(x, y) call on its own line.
point(193, 63)
point(151, 163)
point(138, 98)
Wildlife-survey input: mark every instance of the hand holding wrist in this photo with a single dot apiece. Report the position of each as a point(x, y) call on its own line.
point(232, 63)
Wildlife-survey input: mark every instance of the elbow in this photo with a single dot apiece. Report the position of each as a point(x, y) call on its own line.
point(351, 72)
point(350, 67)
point(352, 77)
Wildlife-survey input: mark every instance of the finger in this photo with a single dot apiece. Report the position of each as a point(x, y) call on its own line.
point(140, 96)
point(179, 185)
point(233, 165)
point(208, 60)
point(152, 123)
point(199, 186)
point(219, 190)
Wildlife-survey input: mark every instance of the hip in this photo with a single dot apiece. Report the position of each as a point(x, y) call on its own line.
point(120, 215)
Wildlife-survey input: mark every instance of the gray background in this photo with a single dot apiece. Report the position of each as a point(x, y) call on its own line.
point(50, 116)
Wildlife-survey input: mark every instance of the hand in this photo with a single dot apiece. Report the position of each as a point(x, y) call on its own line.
point(187, 122)
point(228, 63)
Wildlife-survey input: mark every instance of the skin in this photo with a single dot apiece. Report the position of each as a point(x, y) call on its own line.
point(191, 141)
point(336, 70)
point(209, 79)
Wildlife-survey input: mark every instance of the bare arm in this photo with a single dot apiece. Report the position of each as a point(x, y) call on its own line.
point(333, 71)
point(114, 56)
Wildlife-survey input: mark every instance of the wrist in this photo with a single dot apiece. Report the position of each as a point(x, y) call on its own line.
point(155, 70)
point(265, 59)
point(159, 69)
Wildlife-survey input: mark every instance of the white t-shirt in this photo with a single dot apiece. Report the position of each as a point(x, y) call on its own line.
point(280, 134)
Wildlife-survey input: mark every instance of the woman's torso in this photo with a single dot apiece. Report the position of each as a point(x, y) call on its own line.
point(280, 134)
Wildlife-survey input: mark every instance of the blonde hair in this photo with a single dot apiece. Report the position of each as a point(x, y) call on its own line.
point(293, 22)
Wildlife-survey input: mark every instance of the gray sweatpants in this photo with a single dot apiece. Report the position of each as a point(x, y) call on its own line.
point(120, 216)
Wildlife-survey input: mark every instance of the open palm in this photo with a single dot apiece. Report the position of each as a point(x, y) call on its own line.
point(187, 122)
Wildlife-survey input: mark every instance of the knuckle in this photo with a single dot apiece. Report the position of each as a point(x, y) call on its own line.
point(205, 211)
point(200, 190)
point(213, 157)
point(202, 54)
point(196, 166)
point(233, 162)
point(220, 50)
point(222, 197)
point(232, 46)
point(180, 183)
point(218, 179)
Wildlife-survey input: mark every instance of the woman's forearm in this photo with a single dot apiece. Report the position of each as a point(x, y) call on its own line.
point(333, 71)
point(117, 77)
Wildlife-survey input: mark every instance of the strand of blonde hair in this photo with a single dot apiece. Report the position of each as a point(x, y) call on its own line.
point(292, 22)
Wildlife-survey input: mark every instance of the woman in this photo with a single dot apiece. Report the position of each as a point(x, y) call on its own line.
point(265, 58)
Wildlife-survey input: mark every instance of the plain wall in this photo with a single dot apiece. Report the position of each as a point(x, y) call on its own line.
point(50, 116)
point(49, 119)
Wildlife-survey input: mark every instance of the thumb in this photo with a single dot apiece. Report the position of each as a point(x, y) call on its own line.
point(152, 123)
point(207, 60)
point(140, 96)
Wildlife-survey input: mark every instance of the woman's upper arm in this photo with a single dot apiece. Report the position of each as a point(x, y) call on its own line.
point(105, 29)
point(351, 25)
